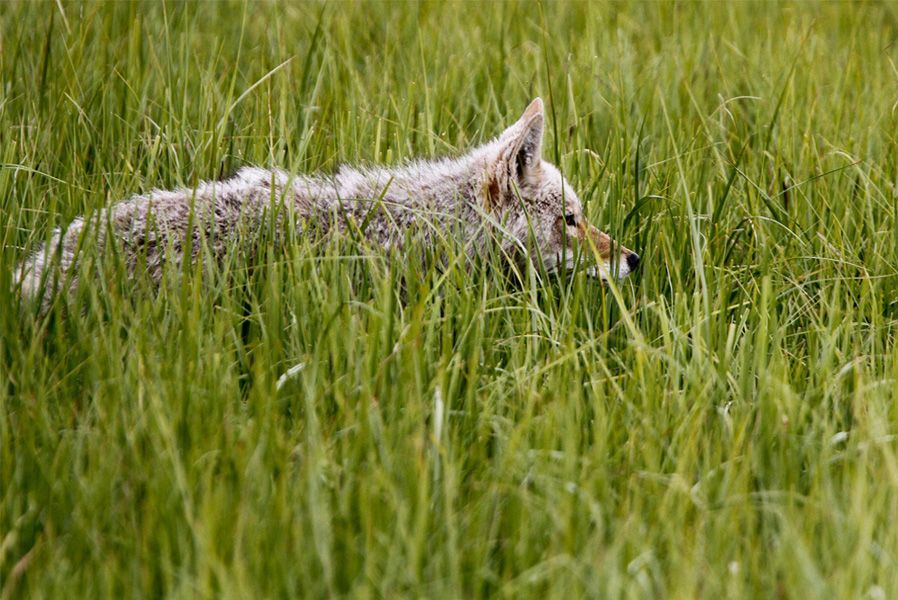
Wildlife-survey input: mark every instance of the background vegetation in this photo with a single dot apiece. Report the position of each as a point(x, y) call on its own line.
point(338, 422)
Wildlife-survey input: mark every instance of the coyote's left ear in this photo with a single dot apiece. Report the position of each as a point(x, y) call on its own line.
point(522, 143)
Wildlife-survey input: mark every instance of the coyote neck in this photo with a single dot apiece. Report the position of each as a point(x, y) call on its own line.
point(423, 198)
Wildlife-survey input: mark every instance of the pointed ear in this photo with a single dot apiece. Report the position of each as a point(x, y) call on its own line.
point(522, 143)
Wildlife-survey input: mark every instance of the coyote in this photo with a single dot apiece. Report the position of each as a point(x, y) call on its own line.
point(502, 191)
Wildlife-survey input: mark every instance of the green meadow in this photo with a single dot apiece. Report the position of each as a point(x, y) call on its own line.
point(333, 421)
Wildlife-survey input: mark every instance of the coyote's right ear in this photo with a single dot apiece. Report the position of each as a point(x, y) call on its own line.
point(522, 144)
point(518, 159)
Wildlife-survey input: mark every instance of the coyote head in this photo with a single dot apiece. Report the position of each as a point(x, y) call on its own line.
point(537, 205)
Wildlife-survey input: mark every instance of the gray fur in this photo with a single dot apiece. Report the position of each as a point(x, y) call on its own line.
point(502, 189)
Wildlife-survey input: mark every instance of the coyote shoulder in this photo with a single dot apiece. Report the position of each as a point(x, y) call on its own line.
point(502, 190)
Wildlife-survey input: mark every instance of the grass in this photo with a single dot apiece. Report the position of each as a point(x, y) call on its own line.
point(722, 424)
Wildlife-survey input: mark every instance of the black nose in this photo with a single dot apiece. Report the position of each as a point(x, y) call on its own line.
point(632, 261)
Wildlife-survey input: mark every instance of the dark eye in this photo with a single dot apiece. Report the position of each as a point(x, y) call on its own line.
point(570, 219)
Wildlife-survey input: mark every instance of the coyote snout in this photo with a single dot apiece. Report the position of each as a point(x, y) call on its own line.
point(502, 191)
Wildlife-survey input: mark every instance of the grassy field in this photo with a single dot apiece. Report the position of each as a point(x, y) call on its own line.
point(337, 422)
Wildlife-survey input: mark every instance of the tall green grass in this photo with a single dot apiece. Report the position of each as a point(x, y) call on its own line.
point(342, 422)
